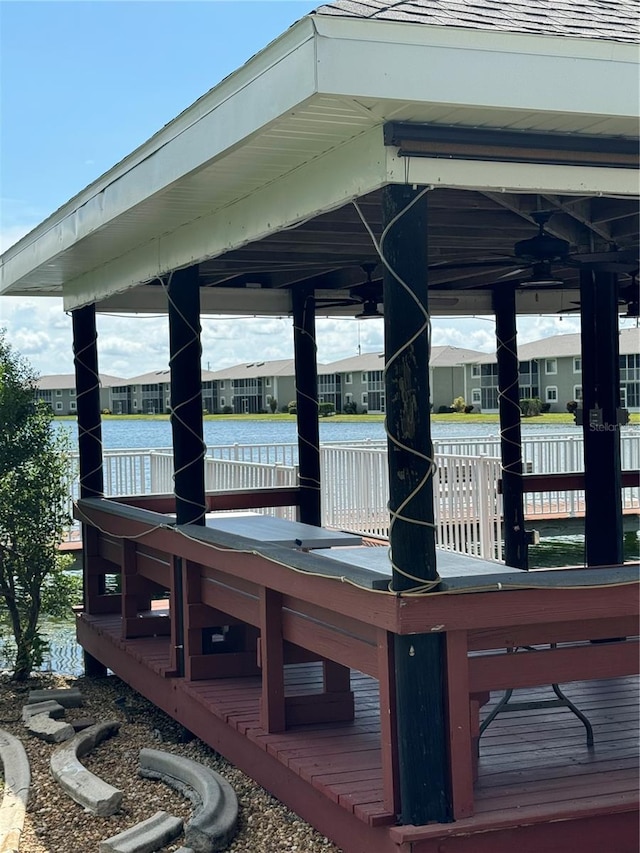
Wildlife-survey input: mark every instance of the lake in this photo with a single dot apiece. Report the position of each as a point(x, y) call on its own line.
point(153, 433)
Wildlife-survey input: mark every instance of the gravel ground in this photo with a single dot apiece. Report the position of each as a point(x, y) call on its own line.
point(55, 824)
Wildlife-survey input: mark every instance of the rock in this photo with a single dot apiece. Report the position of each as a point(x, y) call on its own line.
point(53, 731)
point(51, 709)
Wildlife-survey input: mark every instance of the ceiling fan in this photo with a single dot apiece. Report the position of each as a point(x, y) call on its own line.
point(369, 295)
point(533, 259)
point(628, 294)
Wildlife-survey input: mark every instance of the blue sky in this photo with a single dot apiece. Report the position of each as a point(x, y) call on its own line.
point(84, 83)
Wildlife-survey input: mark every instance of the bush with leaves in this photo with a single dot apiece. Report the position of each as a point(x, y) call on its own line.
point(530, 407)
point(34, 469)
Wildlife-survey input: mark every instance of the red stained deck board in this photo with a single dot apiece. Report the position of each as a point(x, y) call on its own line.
point(532, 768)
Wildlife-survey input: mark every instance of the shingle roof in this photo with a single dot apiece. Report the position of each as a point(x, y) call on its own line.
point(64, 381)
point(558, 346)
point(255, 369)
point(444, 356)
point(614, 20)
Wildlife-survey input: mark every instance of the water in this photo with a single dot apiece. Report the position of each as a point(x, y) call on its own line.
point(146, 433)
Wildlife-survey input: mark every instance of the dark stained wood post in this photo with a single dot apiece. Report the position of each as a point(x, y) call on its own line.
point(85, 359)
point(186, 395)
point(419, 658)
point(515, 543)
point(306, 370)
point(603, 526)
point(183, 294)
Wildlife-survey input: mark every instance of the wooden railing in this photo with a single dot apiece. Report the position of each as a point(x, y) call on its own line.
point(301, 609)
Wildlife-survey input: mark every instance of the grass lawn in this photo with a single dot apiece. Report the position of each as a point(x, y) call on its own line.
point(449, 417)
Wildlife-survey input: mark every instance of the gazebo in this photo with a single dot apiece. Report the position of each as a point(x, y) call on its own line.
point(405, 159)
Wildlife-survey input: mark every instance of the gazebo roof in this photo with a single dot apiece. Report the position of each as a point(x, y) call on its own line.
point(256, 181)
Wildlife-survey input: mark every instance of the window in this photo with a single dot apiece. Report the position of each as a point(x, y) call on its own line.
point(222, 401)
point(365, 399)
point(348, 378)
point(267, 382)
point(577, 365)
point(577, 393)
point(167, 402)
point(58, 392)
point(135, 404)
point(222, 384)
point(72, 392)
point(365, 376)
point(72, 405)
point(476, 396)
point(475, 370)
point(551, 394)
point(551, 366)
point(58, 407)
point(348, 398)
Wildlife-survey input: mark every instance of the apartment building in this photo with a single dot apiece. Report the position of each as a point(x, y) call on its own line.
point(361, 378)
point(250, 387)
point(551, 369)
point(59, 391)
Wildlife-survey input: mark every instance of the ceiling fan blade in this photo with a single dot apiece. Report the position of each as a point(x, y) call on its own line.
point(514, 274)
point(471, 265)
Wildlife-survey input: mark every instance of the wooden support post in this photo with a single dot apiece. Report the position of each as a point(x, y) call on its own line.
point(186, 395)
point(272, 711)
point(604, 537)
point(419, 658)
point(304, 341)
point(515, 541)
point(388, 723)
point(191, 601)
point(129, 584)
point(189, 449)
point(460, 745)
point(85, 358)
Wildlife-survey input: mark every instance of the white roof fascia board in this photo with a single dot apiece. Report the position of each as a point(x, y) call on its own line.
point(213, 300)
point(499, 176)
point(343, 174)
point(272, 84)
point(476, 67)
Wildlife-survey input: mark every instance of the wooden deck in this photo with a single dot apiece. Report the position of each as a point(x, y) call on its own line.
point(300, 691)
point(534, 766)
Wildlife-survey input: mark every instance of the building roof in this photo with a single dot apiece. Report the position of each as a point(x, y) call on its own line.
point(452, 356)
point(67, 381)
point(614, 20)
point(256, 369)
point(559, 346)
point(446, 356)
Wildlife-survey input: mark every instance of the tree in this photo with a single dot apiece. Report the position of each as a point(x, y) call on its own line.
point(34, 488)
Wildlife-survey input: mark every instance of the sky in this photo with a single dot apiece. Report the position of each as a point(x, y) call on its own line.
point(84, 83)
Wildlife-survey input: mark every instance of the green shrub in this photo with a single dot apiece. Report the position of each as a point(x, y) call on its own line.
point(350, 408)
point(530, 407)
point(227, 410)
point(325, 410)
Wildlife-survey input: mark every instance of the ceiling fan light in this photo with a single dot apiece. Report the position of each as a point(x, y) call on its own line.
point(369, 310)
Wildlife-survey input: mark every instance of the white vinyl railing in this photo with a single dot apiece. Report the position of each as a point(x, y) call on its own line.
point(355, 490)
